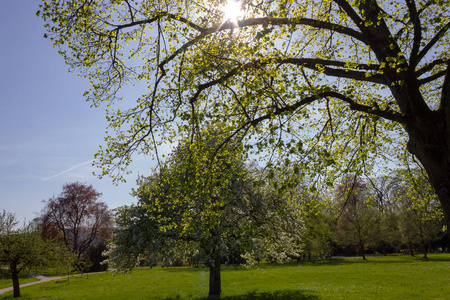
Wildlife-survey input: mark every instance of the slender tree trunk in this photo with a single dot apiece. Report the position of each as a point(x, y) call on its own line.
point(15, 279)
point(215, 284)
point(411, 251)
point(425, 252)
point(361, 245)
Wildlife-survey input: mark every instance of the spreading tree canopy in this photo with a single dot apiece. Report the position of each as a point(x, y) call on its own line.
point(328, 86)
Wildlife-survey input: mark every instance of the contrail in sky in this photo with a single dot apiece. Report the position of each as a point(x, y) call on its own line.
point(68, 170)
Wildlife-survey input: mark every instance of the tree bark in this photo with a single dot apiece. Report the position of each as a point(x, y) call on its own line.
point(363, 253)
point(425, 252)
point(429, 141)
point(15, 279)
point(215, 284)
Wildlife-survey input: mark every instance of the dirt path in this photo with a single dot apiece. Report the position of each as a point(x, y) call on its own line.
point(41, 280)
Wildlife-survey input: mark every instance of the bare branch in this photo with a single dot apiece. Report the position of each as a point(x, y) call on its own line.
point(130, 10)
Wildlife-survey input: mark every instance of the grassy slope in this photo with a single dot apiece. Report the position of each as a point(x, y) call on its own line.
point(397, 277)
point(6, 280)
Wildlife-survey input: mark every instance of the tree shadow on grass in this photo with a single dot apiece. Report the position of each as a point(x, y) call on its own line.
point(440, 259)
point(255, 295)
point(284, 294)
point(338, 261)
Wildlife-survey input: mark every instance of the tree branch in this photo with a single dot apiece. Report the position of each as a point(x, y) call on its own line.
point(389, 115)
point(414, 18)
point(310, 63)
point(351, 13)
point(318, 64)
point(428, 67)
point(445, 98)
point(266, 21)
point(432, 77)
point(159, 16)
point(433, 41)
point(353, 106)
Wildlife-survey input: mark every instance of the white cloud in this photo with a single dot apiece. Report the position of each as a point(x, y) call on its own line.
point(67, 171)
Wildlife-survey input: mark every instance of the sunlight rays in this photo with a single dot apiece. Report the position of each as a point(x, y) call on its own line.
point(232, 11)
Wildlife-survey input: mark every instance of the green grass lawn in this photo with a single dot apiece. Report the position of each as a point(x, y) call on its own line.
point(392, 277)
point(6, 280)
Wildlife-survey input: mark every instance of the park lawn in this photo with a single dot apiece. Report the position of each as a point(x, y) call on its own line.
point(391, 277)
point(6, 280)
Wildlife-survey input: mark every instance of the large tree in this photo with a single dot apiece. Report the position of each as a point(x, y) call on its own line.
point(343, 78)
point(77, 218)
point(23, 249)
point(207, 201)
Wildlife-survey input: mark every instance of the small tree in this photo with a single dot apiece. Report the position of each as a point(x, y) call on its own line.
point(24, 249)
point(77, 218)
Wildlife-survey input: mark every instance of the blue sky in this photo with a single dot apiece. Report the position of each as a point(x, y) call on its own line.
point(48, 132)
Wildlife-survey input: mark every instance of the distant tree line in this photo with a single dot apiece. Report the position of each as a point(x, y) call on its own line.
point(395, 213)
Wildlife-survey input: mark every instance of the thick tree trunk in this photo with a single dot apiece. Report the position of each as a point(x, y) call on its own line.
point(15, 279)
point(429, 141)
point(215, 284)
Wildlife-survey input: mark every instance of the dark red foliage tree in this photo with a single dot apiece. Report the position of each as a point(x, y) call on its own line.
point(77, 218)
